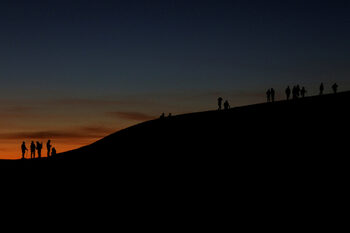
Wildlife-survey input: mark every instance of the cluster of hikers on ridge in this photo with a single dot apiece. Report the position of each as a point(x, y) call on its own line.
point(296, 92)
point(38, 147)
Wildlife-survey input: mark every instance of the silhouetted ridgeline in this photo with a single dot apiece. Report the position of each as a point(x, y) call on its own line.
point(286, 159)
point(304, 132)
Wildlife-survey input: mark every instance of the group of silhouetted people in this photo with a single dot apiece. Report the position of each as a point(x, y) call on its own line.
point(162, 116)
point(296, 92)
point(38, 147)
point(226, 104)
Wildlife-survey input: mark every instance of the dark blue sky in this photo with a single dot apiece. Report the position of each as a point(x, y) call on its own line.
point(151, 45)
point(64, 63)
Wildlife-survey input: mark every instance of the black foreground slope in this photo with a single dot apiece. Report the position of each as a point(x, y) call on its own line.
point(282, 164)
point(300, 132)
point(303, 133)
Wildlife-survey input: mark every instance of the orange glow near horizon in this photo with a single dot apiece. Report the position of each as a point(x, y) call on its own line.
point(11, 149)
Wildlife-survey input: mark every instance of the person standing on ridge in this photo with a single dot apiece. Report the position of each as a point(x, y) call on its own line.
point(53, 154)
point(272, 92)
point(321, 89)
point(226, 105)
point(39, 147)
point(303, 92)
point(268, 95)
point(288, 92)
point(24, 149)
point(335, 88)
point(219, 103)
point(32, 150)
point(297, 90)
point(48, 146)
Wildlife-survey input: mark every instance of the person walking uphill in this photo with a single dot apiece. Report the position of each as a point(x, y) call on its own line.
point(24, 149)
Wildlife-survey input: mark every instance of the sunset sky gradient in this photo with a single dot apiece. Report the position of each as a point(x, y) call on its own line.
point(75, 71)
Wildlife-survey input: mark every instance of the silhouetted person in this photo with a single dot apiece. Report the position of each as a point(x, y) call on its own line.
point(24, 149)
point(288, 92)
point(162, 116)
point(272, 92)
point(32, 150)
point(39, 147)
point(335, 88)
point(219, 103)
point(297, 90)
point(53, 153)
point(169, 114)
point(303, 92)
point(226, 105)
point(294, 92)
point(48, 146)
point(321, 89)
point(268, 95)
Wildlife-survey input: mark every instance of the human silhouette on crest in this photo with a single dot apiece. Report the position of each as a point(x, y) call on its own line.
point(32, 150)
point(288, 91)
point(226, 105)
point(272, 93)
point(220, 103)
point(24, 149)
point(321, 89)
point(268, 95)
point(335, 88)
point(48, 146)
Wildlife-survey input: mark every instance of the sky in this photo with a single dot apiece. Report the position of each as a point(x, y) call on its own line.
point(75, 71)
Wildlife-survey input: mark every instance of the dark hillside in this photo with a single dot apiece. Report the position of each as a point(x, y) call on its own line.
point(298, 132)
point(287, 157)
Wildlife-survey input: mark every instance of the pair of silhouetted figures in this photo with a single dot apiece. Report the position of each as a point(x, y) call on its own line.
point(38, 147)
point(226, 104)
point(334, 88)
